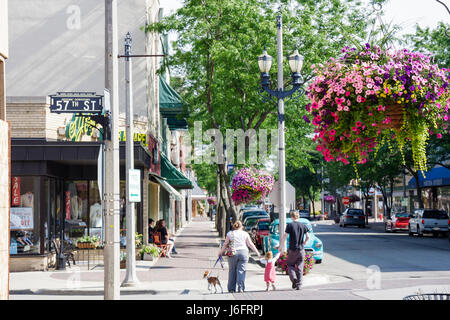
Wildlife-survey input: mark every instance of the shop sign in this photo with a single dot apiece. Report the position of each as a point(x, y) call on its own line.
point(76, 102)
point(134, 185)
point(78, 127)
point(21, 218)
point(138, 137)
point(67, 203)
point(15, 192)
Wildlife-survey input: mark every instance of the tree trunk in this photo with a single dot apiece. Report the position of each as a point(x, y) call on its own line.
point(231, 211)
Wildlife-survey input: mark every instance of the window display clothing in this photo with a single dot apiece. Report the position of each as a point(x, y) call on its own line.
point(76, 206)
point(26, 200)
point(96, 215)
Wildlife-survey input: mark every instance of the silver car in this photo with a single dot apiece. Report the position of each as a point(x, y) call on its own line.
point(429, 221)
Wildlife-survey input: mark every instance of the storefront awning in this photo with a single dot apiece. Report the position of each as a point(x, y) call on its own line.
point(173, 176)
point(170, 102)
point(198, 193)
point(437, 177)
point(177, 124)
point(169, 188)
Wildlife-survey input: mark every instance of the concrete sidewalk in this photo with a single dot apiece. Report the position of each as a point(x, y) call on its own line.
point(181, 276)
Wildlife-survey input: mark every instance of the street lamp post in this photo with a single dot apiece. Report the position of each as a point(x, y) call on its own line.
point(131, 279)
point(295, 64)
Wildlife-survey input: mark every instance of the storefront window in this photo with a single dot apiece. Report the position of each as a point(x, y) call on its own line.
point(95, 211)
point(76, 208)
point(25, 213)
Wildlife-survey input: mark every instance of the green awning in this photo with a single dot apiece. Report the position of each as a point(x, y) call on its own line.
point(170, 102)
point(173, 176)
point(177, 124)
point(170, 189)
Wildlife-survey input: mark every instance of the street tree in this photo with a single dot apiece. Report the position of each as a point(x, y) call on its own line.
point(216, 53)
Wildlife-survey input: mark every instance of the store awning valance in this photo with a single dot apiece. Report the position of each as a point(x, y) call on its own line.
point(198, 193)
point(177, 124)
point(170, 102)
point(437, 177)
point(173, 176)
point(169, 188)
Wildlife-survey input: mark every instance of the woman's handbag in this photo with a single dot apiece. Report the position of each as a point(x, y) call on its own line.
point(229, 250)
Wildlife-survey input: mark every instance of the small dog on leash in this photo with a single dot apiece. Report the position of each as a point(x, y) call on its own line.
point(212, 281)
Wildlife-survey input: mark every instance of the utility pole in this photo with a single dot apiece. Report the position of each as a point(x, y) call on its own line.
point(281, 155)
point(131, 279)
point(112, 167)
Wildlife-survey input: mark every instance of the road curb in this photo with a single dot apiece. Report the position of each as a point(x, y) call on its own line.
point(93, 292)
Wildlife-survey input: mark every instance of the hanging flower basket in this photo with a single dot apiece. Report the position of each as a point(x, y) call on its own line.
point(330, 198)
point(370, 96)
point(211, 201)
point(250, 185)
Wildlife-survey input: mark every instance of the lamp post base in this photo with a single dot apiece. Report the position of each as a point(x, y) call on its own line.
point(61, 263)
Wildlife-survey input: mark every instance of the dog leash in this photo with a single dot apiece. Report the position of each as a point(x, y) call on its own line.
point(220, 259)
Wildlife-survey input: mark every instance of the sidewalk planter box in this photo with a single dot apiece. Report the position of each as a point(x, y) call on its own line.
point(28, 263)
point(123, 264)
point(147, 257)
point(87, 245)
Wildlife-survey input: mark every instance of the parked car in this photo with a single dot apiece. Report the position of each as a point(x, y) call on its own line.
point(314, 244)
point(251, 222)
point(259, 231)
point(254, 212)
point(429, 221)
point(305, 214)
point(397, 222)
point(353, 217)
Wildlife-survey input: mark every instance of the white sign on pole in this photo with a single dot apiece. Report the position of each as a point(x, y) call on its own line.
point(21, 218)
point(274, 196)
point(134, 185)
point(107, 101)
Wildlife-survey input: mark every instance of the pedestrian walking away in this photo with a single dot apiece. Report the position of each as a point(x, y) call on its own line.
point(298, 237)
point(269, 273)
point(236, 246)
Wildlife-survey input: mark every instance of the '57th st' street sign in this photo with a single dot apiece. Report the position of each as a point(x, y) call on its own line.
point(76, 102)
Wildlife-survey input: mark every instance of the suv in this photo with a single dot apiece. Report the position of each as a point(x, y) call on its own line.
point(428, 221)
point(353, 217)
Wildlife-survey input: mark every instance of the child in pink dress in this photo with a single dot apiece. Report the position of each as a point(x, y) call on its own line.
point(269, 274)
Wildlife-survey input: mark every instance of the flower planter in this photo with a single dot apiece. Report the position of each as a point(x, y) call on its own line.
point(250, 185)
point(123, 264)
point(147, 257)
point(87, 245)
point(395, 114)
point(370, 96)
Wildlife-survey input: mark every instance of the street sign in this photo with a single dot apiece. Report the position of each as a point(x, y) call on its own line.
point(346, 201)
point(76, 102)
point(134, 185)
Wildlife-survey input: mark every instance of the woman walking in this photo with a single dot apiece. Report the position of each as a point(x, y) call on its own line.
point(239, 242)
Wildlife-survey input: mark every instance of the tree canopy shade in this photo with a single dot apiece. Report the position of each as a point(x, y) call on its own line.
point(215, 58)
point(432, 41)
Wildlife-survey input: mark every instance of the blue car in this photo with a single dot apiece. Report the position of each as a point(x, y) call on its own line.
point(314, 244)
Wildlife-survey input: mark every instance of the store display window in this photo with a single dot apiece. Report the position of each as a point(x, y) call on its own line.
point(76, 208)
point(24, 215)
point(95, 211)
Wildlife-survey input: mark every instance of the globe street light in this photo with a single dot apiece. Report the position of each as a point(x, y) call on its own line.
point(295, 64)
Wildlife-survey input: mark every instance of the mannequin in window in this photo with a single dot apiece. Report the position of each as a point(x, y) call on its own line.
point(76, 206)
point(96, 215)
point(27, 199)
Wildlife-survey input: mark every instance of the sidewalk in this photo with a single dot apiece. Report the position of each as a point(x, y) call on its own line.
point(181, 276)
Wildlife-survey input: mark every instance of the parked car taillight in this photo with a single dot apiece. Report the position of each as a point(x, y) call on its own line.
point(423, 221)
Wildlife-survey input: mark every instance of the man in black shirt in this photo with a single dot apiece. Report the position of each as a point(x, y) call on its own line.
point(298, 236)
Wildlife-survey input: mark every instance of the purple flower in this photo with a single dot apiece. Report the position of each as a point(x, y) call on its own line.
point(306, 119)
